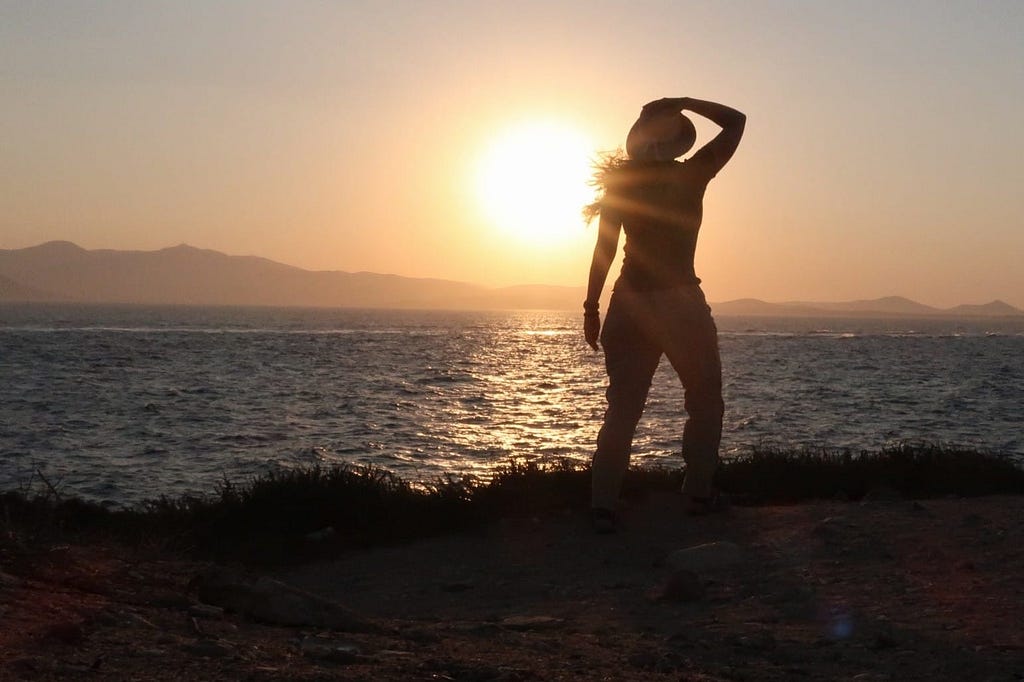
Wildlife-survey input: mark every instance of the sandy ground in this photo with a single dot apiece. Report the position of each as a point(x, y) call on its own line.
point(881, 590)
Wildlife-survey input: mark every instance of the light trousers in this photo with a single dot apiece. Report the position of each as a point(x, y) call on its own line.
point(638, 329)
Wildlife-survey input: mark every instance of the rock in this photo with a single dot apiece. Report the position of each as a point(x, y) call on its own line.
point(916, 506)
point(457, 586)
point(757, 641)
point(271, 601)
point(796, 602)
point(333, 650)
point(974, 521)
point(209, 648)
point(8, 581)
point(24, 666)
point(884, 639)
point(530, 622)
point(683, 586)
point(205, 611)
point(320, 535)
point(136, 619)
point(394, 654)
point(65, 632)
point(831, 526)
point(881, 494)
point(707, 557)
point(475, 627)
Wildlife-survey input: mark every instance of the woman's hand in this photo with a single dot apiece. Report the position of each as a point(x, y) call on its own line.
point(592, 329)
point(665, 104)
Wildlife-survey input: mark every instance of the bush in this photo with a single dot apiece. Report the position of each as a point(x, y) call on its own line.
point(275, 517)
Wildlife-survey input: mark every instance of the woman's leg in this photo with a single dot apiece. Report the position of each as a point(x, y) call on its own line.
point(631, 357)
point(692, 348)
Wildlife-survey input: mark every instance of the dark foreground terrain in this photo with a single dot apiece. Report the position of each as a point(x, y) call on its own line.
point(884, 588)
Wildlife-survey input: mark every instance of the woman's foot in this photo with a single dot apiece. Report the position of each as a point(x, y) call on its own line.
point(604, 521)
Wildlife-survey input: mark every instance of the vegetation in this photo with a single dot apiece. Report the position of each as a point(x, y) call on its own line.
point(302, 514)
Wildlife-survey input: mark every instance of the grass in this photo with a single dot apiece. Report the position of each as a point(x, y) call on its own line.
point(272, 518)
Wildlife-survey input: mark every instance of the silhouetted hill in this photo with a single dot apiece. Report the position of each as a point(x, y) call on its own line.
point(992, 309)
point(757, 307)
point(186, 275)
point(14, 291)
point(888, 305)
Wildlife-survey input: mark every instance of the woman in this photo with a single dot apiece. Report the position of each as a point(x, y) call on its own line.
point(657, 306)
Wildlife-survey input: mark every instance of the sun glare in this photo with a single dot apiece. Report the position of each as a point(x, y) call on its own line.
point(532, 182)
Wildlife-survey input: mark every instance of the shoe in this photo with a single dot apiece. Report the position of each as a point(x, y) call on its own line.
point(603, 521)
point(702, 506)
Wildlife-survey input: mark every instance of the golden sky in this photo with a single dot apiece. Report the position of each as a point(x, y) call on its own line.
point(882, 153)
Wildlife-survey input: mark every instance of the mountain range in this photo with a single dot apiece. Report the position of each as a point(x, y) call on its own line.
point(62, 271)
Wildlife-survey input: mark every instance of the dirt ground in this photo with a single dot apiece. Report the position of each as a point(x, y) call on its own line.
point(880, 590)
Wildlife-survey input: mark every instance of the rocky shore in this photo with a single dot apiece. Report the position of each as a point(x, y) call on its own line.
point(885, 588)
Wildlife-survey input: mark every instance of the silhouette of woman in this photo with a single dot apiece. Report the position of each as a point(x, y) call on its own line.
point(657, 306)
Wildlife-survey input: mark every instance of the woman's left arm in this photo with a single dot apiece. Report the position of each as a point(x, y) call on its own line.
point(608, 231)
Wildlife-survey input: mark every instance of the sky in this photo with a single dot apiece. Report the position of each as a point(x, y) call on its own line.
point(431, 138)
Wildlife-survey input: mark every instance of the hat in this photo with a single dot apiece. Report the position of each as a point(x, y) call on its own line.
point(660, 136)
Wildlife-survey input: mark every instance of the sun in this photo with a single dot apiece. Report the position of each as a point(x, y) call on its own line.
point(532, 182)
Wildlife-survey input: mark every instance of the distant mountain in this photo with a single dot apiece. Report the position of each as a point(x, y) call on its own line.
point(993, 309)
point(14, 291)
point(889, 305)
point(186, 275)
point(756, 307)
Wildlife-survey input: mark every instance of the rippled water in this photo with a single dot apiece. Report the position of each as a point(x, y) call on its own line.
point(129, 403)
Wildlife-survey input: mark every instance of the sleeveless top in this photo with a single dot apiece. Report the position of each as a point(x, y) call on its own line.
point(660, 204)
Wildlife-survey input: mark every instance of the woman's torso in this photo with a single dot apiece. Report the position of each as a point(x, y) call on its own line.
point(660, 205)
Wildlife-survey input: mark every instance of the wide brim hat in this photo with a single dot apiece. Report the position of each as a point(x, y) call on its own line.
point(660, 136)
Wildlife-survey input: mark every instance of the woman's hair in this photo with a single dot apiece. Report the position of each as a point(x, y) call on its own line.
point(606, 165)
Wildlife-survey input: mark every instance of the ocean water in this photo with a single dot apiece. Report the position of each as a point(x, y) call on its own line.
point(126, 403)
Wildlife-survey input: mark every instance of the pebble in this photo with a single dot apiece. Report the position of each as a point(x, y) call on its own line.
point(321, 535)
point(883, 494)
point(530, 622)
point(333, 650)
point(974, 521)
point(683, 586)
point(9, 581)
point(457, 586)
point(271, 601)
point(67, 632)
point(136, 619)
point(209, 648)
point(205, 611)
point(707, 557)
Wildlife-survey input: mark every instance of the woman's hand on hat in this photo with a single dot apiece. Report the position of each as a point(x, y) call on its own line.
point(675, 104)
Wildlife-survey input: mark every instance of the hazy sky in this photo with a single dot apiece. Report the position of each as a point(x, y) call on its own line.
point(882, 155)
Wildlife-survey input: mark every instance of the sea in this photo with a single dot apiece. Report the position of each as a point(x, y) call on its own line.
point(123, 404)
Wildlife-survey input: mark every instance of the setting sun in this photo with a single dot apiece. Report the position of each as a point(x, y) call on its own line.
point(532, 181)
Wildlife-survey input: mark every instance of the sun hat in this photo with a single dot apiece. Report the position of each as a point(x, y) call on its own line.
point(660, 135)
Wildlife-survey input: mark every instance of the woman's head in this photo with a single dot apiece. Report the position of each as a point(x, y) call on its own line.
point(660, 136)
